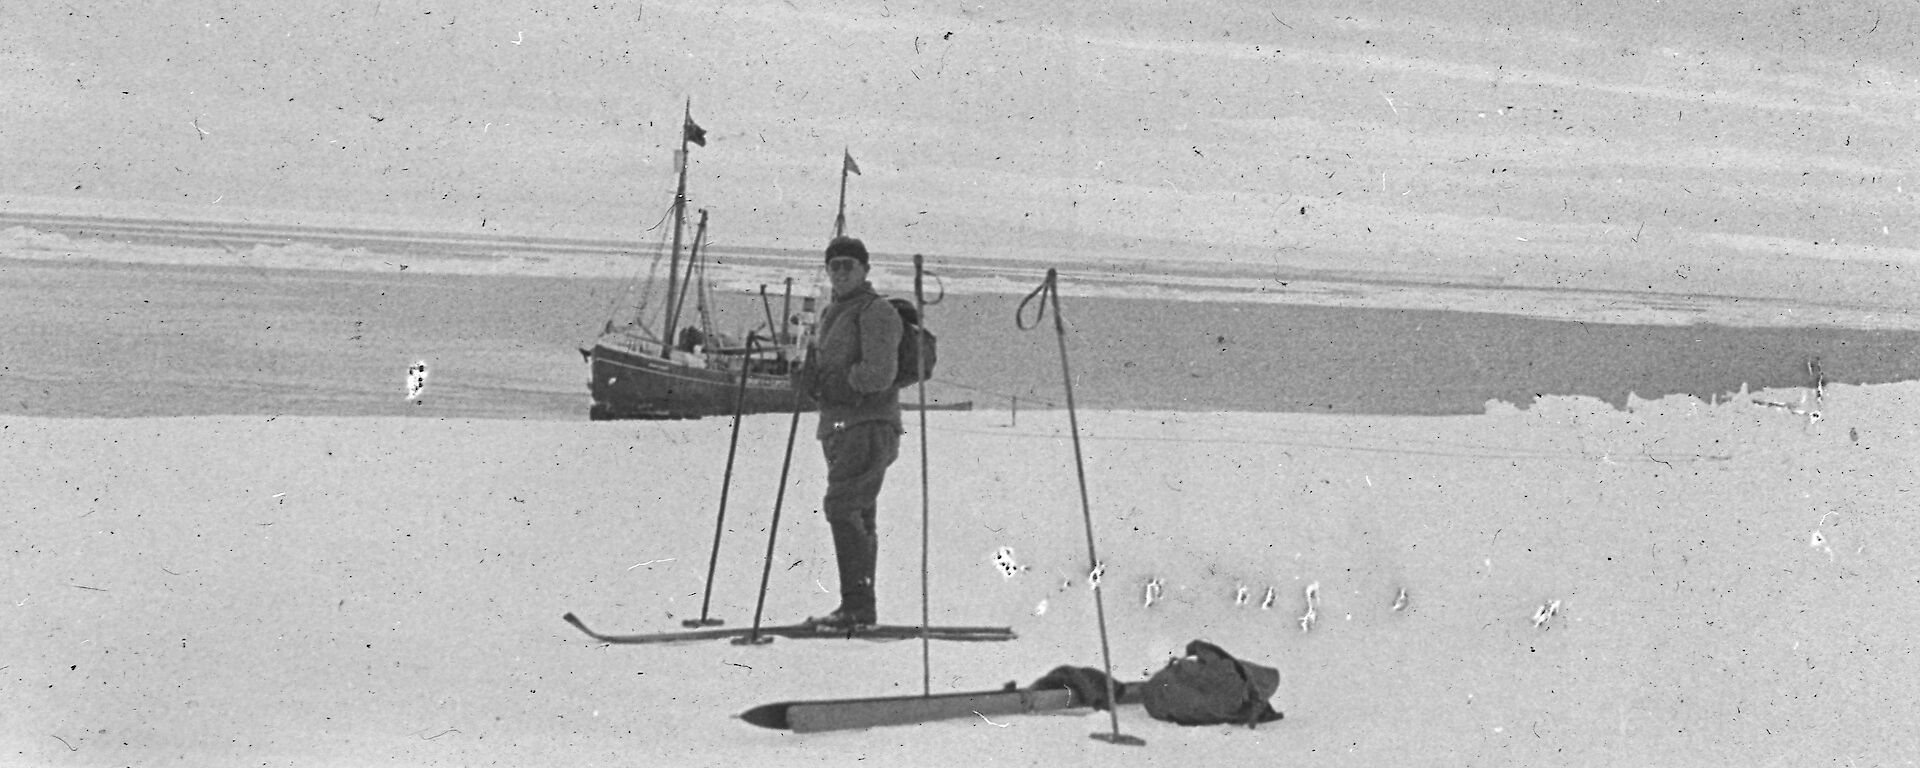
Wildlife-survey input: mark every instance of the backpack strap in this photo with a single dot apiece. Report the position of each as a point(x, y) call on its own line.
point(859, 331)
point(859, 339)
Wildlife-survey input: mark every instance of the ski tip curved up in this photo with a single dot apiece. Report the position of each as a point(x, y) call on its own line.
point(768, 716)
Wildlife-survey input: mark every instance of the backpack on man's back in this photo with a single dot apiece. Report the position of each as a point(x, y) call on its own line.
point(916, 344)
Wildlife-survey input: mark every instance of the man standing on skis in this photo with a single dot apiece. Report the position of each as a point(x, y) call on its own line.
point(855, 356)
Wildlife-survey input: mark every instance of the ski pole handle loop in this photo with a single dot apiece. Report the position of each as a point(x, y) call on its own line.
point(1049, 290)
point(919, 287)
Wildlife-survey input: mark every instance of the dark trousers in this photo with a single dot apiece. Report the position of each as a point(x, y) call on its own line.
point(857, 460)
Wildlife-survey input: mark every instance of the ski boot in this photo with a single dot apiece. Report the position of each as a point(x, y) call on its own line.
point(843, 619)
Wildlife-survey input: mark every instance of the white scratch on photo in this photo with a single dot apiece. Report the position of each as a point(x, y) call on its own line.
point(417, 381)
point(1545, 613)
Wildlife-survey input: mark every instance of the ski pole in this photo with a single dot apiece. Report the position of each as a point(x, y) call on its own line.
point(726, 483)
point(1049, 291)
point(767, 306)
point(920, 304)
point(753, 636)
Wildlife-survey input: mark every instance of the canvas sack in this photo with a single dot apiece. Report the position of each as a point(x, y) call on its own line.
point(1210, 686)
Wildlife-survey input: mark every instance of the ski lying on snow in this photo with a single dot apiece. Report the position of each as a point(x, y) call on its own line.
point(798, 631)
point(846, 714)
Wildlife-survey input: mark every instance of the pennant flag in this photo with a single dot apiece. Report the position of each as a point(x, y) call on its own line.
point(696, 134)
point(852, 167)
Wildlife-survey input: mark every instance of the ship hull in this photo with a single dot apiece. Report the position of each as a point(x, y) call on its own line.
point(630, 383)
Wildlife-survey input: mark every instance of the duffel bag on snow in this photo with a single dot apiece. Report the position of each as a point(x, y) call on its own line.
point(1210, 686)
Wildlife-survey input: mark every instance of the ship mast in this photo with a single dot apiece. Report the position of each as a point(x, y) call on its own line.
point(679, 221)
point(840, 219)
point(687, 284)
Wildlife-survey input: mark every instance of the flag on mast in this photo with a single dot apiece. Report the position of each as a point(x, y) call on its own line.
point(695, 134)
point(851, 166)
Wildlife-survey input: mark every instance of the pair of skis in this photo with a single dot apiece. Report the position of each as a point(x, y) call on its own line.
point(851, 714)
point(762, 634)
point(848, 714)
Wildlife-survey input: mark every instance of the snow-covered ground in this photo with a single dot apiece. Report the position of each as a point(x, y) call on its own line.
point(745, 275)
point(1731, 584)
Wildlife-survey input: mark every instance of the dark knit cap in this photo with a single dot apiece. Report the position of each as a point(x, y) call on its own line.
point(847, 247)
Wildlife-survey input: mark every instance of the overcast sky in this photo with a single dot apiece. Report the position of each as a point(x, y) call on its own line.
point(1558, 143)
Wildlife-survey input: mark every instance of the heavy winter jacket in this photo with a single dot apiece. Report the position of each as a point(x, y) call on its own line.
point(856, 354)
